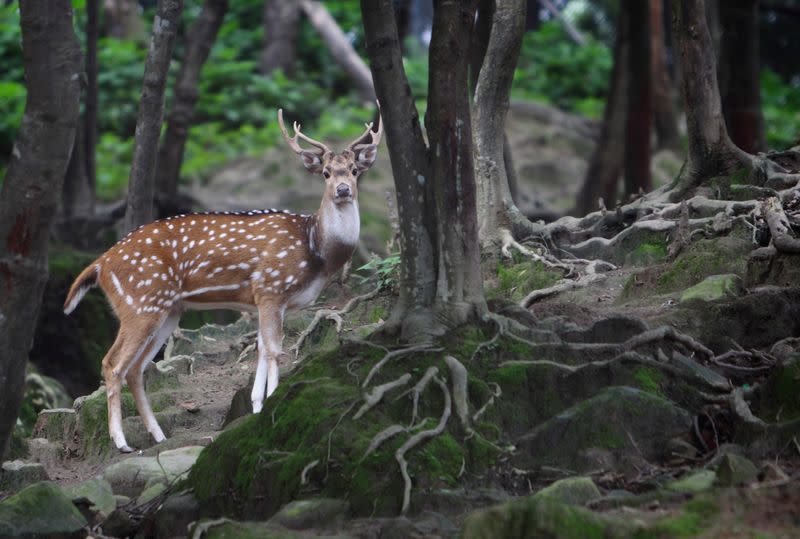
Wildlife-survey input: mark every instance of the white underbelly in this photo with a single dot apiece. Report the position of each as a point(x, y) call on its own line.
point(307, 295)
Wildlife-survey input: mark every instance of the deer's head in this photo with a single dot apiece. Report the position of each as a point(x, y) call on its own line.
point(340, 171)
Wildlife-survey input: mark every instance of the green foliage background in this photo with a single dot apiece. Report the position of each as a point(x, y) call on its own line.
point(236, 110)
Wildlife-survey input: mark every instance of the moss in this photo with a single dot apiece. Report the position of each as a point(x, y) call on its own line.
point(93, 421)
point(704, 258)
point(508, 376)
point(648, 253)
point(780, 396)
point(694, 517)
point(377, 314)
point(516, 281)
point(649, 379)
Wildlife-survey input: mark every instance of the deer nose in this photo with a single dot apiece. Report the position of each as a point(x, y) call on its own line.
point(342, 190)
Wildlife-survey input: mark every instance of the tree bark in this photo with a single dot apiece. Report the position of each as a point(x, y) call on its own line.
point(459, 281)
point(76, 194)
point(409, 158)
point(711, 151)
point(281, 18)
point(666, 123)
point(92, 96)
point(32, 188)
point(340, 47)
point(640, 100)
point(151, 114)
point(605, 165)
point(739, 74)
point(503, 41)
point(200, 38)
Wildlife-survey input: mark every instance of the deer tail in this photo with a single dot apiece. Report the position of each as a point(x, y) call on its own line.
point(86, 280)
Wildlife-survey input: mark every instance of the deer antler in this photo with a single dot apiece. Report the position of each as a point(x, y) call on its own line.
point(374, 136)
point(292, 141)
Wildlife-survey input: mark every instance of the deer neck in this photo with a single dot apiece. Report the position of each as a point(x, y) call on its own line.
point(333, 233)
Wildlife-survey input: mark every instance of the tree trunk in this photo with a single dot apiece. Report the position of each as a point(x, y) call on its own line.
point(640, 100)
point(605, 165)
point(459, 282)
point(340, 47)
point(92, 97)
point(30, 194)
point(76, 194)
point(666, 123)
point(409, 157)
point(739, 74)
point(711, 152)
point(501, 50)
point(281, 18)
point(200, 38)
point(151, 114)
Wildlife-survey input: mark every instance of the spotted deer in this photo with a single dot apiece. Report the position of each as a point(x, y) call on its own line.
point(266, 261)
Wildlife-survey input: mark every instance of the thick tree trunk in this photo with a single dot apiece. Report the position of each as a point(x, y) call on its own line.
point(460, 285)
point(739, 74)
point(504, 40)
point(30, 194)
point(76, 194)
point(200, 39)
point(151, 114)
point(281, 18)
point(340, 47)
point(605, 165)
point(711, 152)
point(640, 100)
point(409, 157)
point(666, 122)
point(92, 96)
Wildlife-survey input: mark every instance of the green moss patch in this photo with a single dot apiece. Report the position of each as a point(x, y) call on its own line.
point(726, 255)
point(518, 280)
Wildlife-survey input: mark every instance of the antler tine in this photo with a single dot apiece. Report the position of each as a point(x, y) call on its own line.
point(374, 136)
point(292, 141)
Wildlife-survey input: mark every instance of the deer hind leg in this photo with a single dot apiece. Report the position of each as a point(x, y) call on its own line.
point(118, 361)
point(270, 339)
point(136, 372)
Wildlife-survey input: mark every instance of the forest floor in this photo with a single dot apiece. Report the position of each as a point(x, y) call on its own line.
point(608, 410)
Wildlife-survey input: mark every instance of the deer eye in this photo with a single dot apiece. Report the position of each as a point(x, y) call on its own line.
point(355, 171)
point(326, 174)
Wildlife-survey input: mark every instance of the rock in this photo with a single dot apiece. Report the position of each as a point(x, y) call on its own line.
point(223, 529)
point(40, 510)
point(175, 514)
point(213, 342)
point(571, 491)
point(626, 422)
point(681, 449)
point(714, 287)
point(121, 500)
point(240, 405)
point(130, 476)
point(431, 523)
point(530, 517)
point(777, 270)
point(118, 524)
point(694, 482)
point(312, 513)
point(97, 490)
point(157, 377)
point(153, 489)
point(614, 329)
point(734, 470)
point(772, 472)
point(56, 425)
point(17, 474)
point(43, 451)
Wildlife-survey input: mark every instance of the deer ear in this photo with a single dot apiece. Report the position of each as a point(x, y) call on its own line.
point(365, 156)
point(311, 161)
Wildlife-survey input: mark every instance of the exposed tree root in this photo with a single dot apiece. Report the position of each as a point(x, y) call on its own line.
point(396, 353)
point(376, 395)
point(308, 467)
point(782, 237)
point(331, 314)
point(417, 390)
point(562, 286)
point(416, 440)
point(389, 432)
point(459, 376)
point(496, 395)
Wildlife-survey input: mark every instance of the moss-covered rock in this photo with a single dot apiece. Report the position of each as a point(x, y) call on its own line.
point(714, 287)
point(778, 398)
point(129, 477)
point(97, 490)
point(56, 425)
point(542, 517)
point(40, 510)
point(571, 491)
point(317, 512)
point(230, 529)
point(692, 483)
point(16, 474)
point(623, 421)
point(514, 282)
point(734, 470)
point(777, 270)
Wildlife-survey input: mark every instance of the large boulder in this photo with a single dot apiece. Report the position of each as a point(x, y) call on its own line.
point(40, 510)
point(97, 490)
point(131, 476)
point(622, 422)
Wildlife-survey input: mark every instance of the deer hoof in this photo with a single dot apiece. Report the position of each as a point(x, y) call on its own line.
point(126, 449)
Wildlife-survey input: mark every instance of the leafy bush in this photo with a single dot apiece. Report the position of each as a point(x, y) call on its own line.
point(554, 69)
point(781, 105)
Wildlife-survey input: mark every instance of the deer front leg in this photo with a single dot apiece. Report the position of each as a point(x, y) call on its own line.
point(270, 340)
